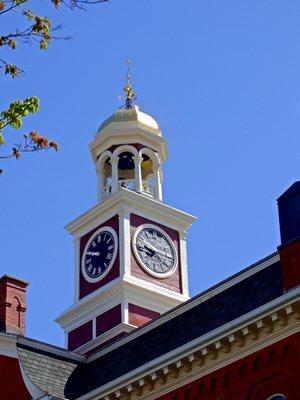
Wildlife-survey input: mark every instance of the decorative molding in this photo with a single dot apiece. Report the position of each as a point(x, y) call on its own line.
point(191, 362)
point(135, 203)
point(104, 337)
point(76, 242)
point(124, 238)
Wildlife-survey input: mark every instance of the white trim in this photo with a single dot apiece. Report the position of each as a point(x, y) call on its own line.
point(111, 262)
point(195, 345)
point(126, 132)
point(183, 262)
point(104, 337)
point(124, 239)
point(76, 242)
point(272, 397)
point(143, 265)
point(103, 157)
point(125, 148)
point(151, 154)
point(135, 203)
point(185, 307)
point(101, 301)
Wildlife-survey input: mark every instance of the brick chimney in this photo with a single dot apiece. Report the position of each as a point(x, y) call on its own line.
point(12, 305)
point(289, 220)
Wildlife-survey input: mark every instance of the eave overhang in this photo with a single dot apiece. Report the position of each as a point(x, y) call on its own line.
point(239, 338)
point(132, 202)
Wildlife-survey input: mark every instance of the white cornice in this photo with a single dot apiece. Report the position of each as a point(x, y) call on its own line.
point(135, 203)
point(128, 132)
point(114, 293)
point(248, 326)
point(198, 299)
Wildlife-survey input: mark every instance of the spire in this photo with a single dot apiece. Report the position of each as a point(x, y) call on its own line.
point(130, 95)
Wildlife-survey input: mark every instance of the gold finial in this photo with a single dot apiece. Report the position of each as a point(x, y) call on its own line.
point(130, 95)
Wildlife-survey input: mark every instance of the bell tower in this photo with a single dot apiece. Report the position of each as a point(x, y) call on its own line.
point(130, 248)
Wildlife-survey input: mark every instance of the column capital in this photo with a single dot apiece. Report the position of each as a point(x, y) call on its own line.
point(183, 234)
point(137, 159)
point(114, 159)
point(124, 213)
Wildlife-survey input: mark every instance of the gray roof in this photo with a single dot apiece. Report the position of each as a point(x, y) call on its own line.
point(67, 375)
point(45, 368)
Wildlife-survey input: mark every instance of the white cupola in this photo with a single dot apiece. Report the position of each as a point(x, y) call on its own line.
point(128, 151)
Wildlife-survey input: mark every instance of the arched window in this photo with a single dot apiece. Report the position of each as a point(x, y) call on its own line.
point(126, 170)
point(148, 178)
point(277, 397)
point(107, 177)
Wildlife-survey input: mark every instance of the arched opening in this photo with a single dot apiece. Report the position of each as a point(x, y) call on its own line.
point(148, 175)
point(106, 175)
point(126, 170)
point(277, 397)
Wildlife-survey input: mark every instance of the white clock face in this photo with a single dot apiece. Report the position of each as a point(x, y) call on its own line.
point(99, 254)
point(155, 251)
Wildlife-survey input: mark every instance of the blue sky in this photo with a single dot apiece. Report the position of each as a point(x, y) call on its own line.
point(223, 80)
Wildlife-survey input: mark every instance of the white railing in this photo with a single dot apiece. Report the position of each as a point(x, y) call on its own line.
point(149, 188)
point(106, 191)
point(127, 184)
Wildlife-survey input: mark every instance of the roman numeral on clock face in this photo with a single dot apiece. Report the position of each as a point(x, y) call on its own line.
point(99, 254)
point(155, 250)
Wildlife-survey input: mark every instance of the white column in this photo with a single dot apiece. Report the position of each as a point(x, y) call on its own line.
point(100, 185)
point(138, 173)
point(114, 171)
point(183, 262)
point(76, 242)
point(158, 185)
point(124, 242)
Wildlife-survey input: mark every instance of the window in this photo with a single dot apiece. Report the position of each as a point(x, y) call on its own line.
point(277, 397)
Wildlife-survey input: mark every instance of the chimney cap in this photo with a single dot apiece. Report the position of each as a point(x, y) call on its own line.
point(14, 279)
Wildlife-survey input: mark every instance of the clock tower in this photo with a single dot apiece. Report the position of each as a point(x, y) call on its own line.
point(130, 248)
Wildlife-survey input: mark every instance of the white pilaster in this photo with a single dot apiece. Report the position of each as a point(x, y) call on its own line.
point(76, 242)
point(114, 169)
point(100, 185)
point(183, 262)
point(158, 184)
point(138, 173)
point(124, 242)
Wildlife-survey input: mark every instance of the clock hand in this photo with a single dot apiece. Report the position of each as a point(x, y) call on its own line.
point(93, 253)
point(162, 253)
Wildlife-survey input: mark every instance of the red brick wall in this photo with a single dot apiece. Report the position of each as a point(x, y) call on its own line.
point(12, 305)
point(173, 282)
point(12, 386)
point(275, 369)
point(139, 316)
point(87, 287)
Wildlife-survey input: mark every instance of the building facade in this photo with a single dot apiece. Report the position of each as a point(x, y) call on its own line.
point(133, 332)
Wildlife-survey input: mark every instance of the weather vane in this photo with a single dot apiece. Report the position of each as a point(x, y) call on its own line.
point(130, 95)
